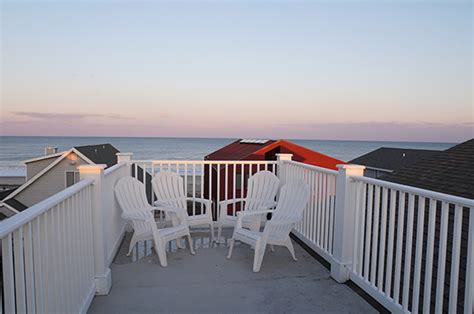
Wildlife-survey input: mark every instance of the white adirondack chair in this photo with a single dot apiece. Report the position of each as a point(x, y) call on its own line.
point(293, 198)
point(169, 190)
point(131, 196)
point(261, 192)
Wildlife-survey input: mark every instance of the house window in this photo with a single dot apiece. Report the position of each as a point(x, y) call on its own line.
point(72, 177)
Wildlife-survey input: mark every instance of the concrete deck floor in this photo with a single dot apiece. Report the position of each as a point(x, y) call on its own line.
point(208, 282)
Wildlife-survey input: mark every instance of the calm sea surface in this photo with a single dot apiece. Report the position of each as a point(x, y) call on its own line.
point(15, 149)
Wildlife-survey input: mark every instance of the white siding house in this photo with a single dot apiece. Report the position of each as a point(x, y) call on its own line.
point(48, 175)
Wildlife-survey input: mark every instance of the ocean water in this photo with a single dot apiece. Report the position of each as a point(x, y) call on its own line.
point(15, 149)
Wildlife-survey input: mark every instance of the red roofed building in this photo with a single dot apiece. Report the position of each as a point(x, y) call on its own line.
point(244, 149)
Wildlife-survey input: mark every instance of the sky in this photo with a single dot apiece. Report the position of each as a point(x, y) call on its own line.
point(337, 70)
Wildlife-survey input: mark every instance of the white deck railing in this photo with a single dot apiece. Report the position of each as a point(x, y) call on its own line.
point(317, 227)
point(214, 180)
point(48, 265)
point(411, 249)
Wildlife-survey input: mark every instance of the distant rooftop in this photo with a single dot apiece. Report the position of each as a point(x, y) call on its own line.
point(450, 171)
point(388, 158)
point(100, 154)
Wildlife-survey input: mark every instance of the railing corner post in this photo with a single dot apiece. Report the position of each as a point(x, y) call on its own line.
point(344, 221)
point(281, 158)
point(103, 275)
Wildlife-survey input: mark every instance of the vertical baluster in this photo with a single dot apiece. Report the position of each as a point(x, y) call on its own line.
point(391, 231)
point(29, 269)
point(368, 232)
point(324, 213)
point(362, 228)
point(419, 247)
point(216, 204)
point(408, 250)
point(312, 208)
point(429, 256)
point(234, 173)
point(153, 196)
point(66, 274)
point(318, 210)
point(399, 252)
point(226, 186)
point(242, 176)
point(218, 184)
point(443, 239)
point(469, 293)
point(332, 180)
point(74, 209)
point(19, 270)
point(456, 252)
point(357, 222)
point(8, 274)
point(383, 226)
point(186, 180)
point(38, 264)
point(375, 236)
point(194, 188)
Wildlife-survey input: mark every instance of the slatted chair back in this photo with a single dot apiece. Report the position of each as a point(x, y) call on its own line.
point(294, 196)
point(131, 196)
point(262, 189)
point(169, 189)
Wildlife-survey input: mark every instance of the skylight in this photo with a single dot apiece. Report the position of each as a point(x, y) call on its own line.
point(253, 141)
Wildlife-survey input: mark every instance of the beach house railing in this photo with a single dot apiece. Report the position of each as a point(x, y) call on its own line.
point(214, 180)
point(410, 249)
point(316, 229)
point(413, 248)
point(47, 254)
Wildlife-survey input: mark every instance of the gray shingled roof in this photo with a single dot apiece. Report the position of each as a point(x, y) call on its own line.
point(392, 158)
point(450, 171)
point(100, 154)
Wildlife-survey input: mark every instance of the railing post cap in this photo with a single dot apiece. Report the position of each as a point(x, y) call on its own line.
point(283, 156)
point(123, 154)
point(350, 167)
point(91, 168)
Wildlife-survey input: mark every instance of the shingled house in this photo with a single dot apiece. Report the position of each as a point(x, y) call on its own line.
point(49, 174)
point(385, 160)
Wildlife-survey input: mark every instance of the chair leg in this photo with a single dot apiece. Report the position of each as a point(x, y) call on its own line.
point(258, 256)
point(191, 248)
point(289, 245)
point(219, 232)
point(179, 243)
point(211, 226)
point(231, 248)
point(132, 245)
point(161, 251)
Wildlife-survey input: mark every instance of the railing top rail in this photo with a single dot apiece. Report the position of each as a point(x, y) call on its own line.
point(311, 167)
point(208, 162)
point(11, 224)
point(464, 202)
point(113, 168)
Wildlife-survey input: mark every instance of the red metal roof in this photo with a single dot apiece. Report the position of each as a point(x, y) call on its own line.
point(236, 151)
point(243, 151)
